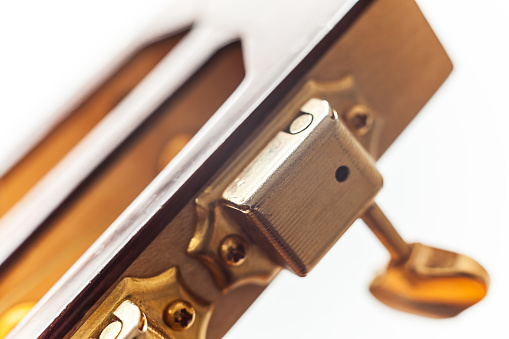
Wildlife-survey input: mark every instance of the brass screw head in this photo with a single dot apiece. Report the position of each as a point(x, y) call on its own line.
point(359, 119)
point(233, 250)
point(179, 315)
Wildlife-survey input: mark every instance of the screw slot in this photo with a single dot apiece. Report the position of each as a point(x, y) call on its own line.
point(342, 173)
point(179, 315)
point(359, 119)
point(233, 250)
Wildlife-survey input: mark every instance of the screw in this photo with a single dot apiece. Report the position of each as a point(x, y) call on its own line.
point(179, 315)
point(233, 250)
point(360, 119)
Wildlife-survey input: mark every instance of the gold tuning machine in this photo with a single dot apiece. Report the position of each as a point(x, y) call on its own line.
point(283, 204)
point(294, 197)
point(421, 279)
point(156, 307)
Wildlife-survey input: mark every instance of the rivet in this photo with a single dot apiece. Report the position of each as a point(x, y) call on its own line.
point(300, 123)
point(112, 330)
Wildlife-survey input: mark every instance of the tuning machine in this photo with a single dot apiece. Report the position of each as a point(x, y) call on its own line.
point(296, 196)
point(421, 279)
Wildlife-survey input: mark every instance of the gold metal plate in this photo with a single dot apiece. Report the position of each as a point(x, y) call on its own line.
point(141, 308)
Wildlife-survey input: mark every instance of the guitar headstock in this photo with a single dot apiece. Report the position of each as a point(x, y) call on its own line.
point(172, 170)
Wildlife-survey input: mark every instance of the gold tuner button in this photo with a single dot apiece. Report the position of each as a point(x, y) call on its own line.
point(424, 280)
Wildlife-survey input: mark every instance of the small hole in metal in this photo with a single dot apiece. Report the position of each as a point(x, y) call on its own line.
point(342, 173)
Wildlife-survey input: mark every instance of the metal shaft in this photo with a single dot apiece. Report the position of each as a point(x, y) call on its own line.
point(386, 233)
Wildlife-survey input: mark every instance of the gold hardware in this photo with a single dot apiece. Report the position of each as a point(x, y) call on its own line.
point(376, 220)
point(356, 59)
point(149, 308)
point(233, 250)
point(359, 120)
point(301, 123)
point(362, 121)
point(298, 226)
point(424, 280)
point(217, 236)
point(180, 315)
point(214, 223)
point(13, 316)
point(112, 331)
point(74, 229)
point(132, 323)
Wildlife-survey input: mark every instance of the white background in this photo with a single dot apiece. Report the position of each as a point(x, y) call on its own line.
point(446, 181)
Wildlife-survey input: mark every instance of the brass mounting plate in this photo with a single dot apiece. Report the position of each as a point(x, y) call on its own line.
point(152, 296)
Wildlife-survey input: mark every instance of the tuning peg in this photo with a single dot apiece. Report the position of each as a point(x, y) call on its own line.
point(424, 280)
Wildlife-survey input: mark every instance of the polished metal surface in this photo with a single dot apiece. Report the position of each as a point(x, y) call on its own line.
point(424, 280)
point(378, 223)
point(155, 307)
point(300, 123)
point(132, 324)
point(422, 221)
point(269, 58)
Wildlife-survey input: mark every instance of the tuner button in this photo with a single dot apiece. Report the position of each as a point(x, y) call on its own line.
point(431, 282)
